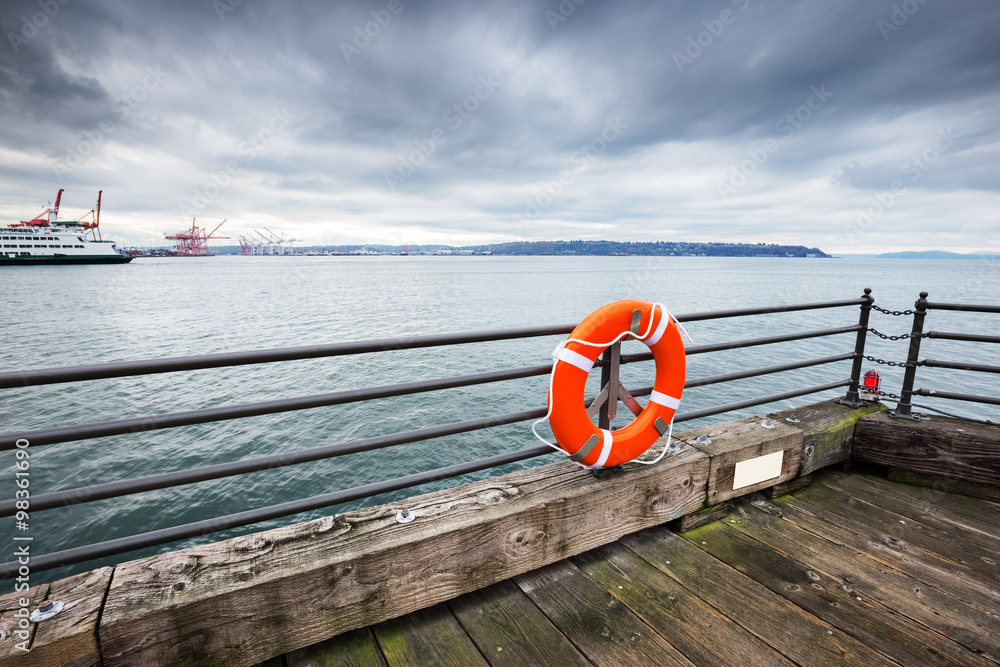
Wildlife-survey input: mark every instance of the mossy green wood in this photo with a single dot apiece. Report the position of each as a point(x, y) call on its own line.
point(508, 628)
point(604, 629)
point(690, 624)
point(356, 648)
point(427, 637)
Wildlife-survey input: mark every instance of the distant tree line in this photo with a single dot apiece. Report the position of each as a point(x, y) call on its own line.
point(652, 248)
point(579, 247)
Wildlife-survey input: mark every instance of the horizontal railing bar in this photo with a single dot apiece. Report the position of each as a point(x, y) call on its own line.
point(982, 368)
point(172, 420)
point(223, 413)
point(741, 375)
point(163, 536)
point(749, 403)
point(175, 533)
point(969, 307)
point(172, 364)
point(720, 314)
point(957, 397)
point(750, 342)
point(973, 338)
point(181, 477)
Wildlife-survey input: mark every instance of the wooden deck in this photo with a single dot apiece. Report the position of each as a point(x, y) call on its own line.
point(852, 569)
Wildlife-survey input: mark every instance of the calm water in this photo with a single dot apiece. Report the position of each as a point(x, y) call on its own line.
point(56, 316)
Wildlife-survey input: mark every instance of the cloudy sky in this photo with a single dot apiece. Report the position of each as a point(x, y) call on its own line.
point(855, 126)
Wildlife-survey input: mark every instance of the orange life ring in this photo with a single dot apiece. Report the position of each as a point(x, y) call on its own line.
point(575, 433)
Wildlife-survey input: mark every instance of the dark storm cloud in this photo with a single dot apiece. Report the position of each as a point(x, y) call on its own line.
point(367, 117)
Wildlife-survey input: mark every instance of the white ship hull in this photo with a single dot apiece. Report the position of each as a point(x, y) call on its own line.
point(55, 244)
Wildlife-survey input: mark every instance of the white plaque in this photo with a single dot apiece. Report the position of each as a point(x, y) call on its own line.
point(753, 471)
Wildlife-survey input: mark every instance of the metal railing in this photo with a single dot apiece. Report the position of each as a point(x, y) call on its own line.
point(115, 489)
point(920, 308)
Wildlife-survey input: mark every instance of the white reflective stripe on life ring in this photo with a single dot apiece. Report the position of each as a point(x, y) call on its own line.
point(606, 441)
point(660, 329)
point(574, 359)
point(664, 400)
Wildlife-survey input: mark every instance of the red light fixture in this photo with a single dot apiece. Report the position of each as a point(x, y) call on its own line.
point(870, 384)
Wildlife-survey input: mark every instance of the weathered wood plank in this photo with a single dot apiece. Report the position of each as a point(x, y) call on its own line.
point(924, 566)
point(827, 431)
point(969, 521)
point(876, 582)
point(947, 484)
point(692, 626)
point(69, 639)
point(427, 637)
point(700, 518)
point(940, 446)
point(735, 442)
point(356, 648)
point(790, 486)
point(894, 636)
point(942, 550)
point(277, 661)
point(510, 630)
point(16, 632)
point(600, 626)
point(205, 606)
point(798, 635)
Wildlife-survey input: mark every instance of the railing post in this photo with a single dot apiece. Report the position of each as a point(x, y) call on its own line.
point(919, 312)
point(609, 382)
point(851, 399)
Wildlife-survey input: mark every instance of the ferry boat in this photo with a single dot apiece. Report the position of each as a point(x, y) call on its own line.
point(48, 240)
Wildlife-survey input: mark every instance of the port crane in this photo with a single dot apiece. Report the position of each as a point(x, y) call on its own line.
point(194, 242)
point(46, 217)
point(94, 225)
point(51, 214)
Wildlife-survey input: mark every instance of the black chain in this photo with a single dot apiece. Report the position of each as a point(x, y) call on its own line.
point(888, 337)
point(897, 313)
point(890, 363)
point(889, 394)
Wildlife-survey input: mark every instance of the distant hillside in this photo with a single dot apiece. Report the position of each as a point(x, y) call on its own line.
point(654, 248)
point(642, 248)
point(933, 254)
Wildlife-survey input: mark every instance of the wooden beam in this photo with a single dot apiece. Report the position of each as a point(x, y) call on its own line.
point(827, 431)
point(247, 599)
point(700, 518)
point(951, 450)
point(243, 600)
point(745, 442)
point(68, 639)
point(16, 633)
